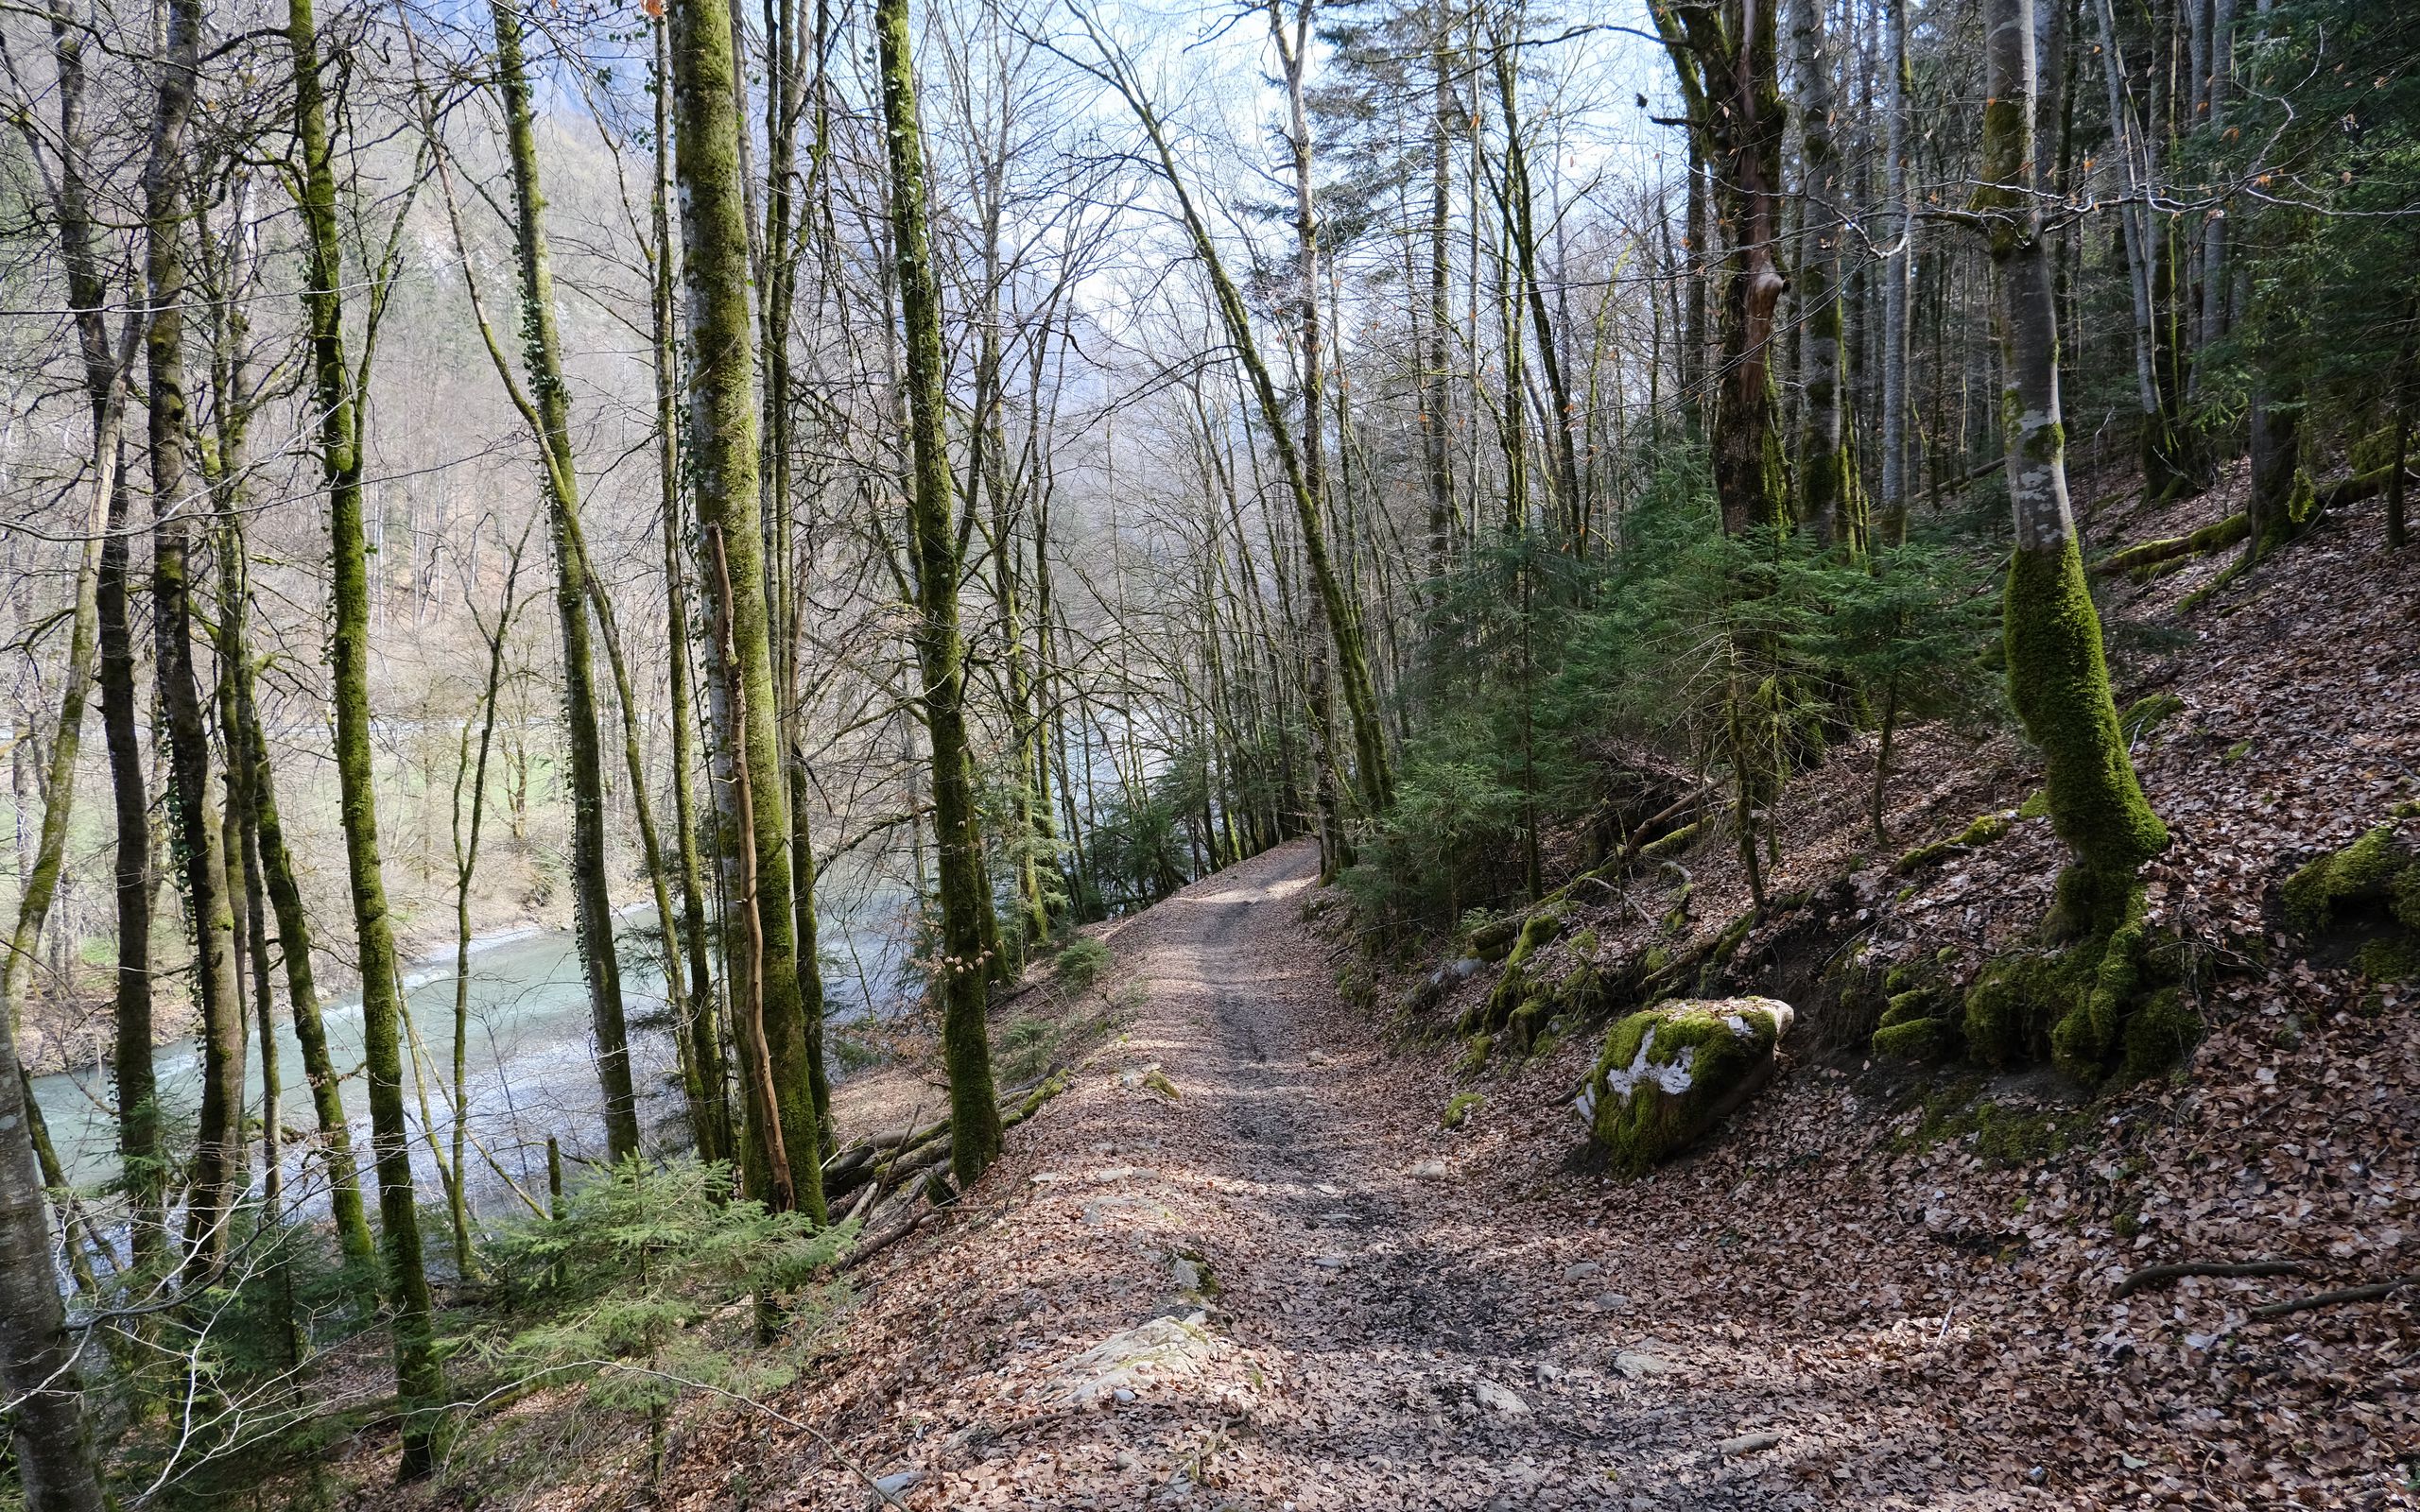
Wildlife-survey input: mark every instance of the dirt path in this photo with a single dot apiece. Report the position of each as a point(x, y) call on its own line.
point(1284, 1287)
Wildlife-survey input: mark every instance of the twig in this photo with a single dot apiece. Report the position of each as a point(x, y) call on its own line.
point(2162, 1274)
point(2375, 1291)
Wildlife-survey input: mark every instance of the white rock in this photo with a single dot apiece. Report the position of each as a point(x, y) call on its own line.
point(1498, 1398)
point(1581, 1271)
point(1429, 1171)
point(888, 1489)
point(1163, 1349)
point(1638, 1366)
point(1755, 1443)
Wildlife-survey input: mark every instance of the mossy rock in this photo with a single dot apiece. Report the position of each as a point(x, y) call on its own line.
point(1460, 1108)
point(2393, 956)
point(1670, 1073)
point(2144, 715)
point(2377, 868)
point(1917, 1039)
point(1986, 828)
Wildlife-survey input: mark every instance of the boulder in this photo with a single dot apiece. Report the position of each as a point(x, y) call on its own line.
point(1671, 1072)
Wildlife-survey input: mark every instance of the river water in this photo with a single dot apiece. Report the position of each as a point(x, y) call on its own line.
point(531, 1068)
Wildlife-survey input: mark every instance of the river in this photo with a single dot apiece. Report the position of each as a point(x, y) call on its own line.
point(531, 1065)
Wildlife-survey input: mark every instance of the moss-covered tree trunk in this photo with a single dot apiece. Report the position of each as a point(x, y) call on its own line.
point(420, 1379)
point(2058, 679)
point(758, 934)
point(709, 1100)
point(285, 890)
point(542, 352)
point(961, 973)
point(177, 503)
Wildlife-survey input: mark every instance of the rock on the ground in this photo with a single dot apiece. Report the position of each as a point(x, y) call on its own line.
point(889, 1489)
point(1498, 1398)
point(1430, 1171)
point(1748, 1444)
point(1163, 1349)
point(1668, 1074)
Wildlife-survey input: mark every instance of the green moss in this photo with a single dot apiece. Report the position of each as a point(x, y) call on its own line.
point(2010, 1138)
point(2236, 752)
point(2011, 1007)
point(1916, 1039)
point(1911, 1006)
point(2144, 715)
point(1983, 832)
point(2000, 1136)
point(1537, 932)
point(1583, 944)
point(1157, 1081)
point(2393, 956)
point(2037, 805)
point(1656, 958)
point(2158, 1035)
point(1460, 1108)
point(1474, 1056)
point(1663, 1074)
point(2059, 683)
point(2373, 867)
point(1674, 843)
point(1522, 1029)
point(2083, 1037)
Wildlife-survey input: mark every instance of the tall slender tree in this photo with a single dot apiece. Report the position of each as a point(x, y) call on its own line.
point(335, 399)
point(752, 794)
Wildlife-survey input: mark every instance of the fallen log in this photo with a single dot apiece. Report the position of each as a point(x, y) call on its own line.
point(2143, 555)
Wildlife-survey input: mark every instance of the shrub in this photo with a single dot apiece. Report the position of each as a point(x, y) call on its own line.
point(1080, 965)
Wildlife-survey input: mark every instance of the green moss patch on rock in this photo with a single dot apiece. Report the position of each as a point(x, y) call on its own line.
point(2370, 891)
point(2377, 868)
point(2144, 715)
point(1670, 1074)
point(1460, 1108)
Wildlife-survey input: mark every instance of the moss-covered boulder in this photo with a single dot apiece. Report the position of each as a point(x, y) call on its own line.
point(2369, 891)
point(1668, 1074)
point(2377, 868)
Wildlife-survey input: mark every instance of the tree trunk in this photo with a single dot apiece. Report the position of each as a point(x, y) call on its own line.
point(198, 844)
point(1724, 57)
point(759, 936)
point(1899, 276)
point(710, 1106)
point(38, 1369)
point(2058, 679)
point(1829, 498)
point(420, 1379)
point(961, 973)
point(541, 353)
point(142, 1152)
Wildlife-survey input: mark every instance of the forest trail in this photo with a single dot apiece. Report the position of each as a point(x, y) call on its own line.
point(1282, 1289)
